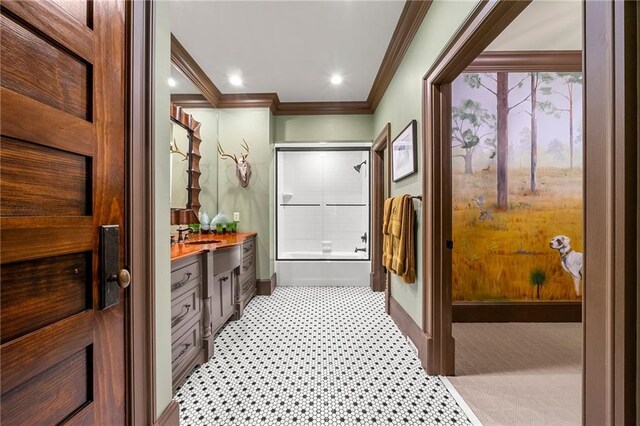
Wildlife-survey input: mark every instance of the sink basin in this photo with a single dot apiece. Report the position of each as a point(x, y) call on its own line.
point(203, 242)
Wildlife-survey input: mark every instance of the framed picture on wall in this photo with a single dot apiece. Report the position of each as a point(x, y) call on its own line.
point(404, 160)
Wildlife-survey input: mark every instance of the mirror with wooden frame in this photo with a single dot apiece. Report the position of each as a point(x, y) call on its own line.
point(185, 167)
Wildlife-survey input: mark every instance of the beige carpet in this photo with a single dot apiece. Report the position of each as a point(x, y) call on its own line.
point(519, 374)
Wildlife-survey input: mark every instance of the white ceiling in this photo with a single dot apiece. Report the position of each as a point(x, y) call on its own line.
point(544, 25)
point(291, 48)
point(183, 85)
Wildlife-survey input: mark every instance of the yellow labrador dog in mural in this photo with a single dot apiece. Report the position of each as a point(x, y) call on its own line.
point(571, 260)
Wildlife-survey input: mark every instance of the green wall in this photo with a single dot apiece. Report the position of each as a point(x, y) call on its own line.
point(313, 128)
point(401, 103)
point(161, 188)
point(254, 125)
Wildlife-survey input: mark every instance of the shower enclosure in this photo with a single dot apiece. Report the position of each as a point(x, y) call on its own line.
point(323, 215)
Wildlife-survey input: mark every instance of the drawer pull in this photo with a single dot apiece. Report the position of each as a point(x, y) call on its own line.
point(246, 249)
point(181, 283)
point(177, 320)
point(184, 351)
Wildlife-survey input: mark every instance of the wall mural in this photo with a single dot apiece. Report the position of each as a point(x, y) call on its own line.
point(517, 186)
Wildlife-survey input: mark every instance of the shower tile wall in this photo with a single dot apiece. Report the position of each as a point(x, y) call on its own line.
point(310, 183)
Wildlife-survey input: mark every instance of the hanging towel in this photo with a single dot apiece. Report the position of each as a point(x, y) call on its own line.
point(400, 248)
point(387, 241)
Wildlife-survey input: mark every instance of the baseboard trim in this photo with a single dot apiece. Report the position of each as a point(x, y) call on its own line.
point(170, 416)
point(410, 329)
point(267, 287)
point(517, 312)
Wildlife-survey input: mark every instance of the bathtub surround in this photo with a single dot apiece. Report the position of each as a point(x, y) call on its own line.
point(325, 356)
point(322, 205)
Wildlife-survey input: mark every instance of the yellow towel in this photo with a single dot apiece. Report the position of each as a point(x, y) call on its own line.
point(399, 246)
point(387, 247)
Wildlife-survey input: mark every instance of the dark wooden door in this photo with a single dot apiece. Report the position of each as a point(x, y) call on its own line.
point(62, 176)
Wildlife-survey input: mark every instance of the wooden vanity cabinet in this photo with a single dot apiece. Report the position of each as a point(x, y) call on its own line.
point(221, 268)
point(207, 289)
point(246, 282)
point(186, 316)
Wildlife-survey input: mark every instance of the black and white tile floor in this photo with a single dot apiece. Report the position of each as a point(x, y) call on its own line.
point(315, 356)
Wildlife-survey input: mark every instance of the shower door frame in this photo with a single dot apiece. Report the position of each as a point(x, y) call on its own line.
point(326, 146)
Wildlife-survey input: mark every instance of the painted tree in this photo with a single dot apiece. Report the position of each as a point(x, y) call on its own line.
point(570, 80)
point(468, 121)
point(555, 149)
point(537, 278)
point(536, 78)
point(503, 108)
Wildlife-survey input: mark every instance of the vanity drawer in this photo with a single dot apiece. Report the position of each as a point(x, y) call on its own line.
point(248, 247)
point(186, 347)
point(184, 274)
point(248, 284)
point(187, 306)
point(247, 267)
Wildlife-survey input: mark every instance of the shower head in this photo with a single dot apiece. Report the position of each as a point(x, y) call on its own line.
point(359, 166)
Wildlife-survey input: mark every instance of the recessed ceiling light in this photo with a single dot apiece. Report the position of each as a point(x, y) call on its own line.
point(336, 79)
point(235, 80)
point(172, 82)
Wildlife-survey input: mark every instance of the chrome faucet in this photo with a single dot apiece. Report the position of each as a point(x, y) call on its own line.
point(363, 249)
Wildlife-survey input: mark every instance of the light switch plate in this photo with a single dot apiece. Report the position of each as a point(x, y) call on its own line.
point(236, 216)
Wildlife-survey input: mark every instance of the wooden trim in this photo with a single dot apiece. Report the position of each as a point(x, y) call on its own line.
point(378, 152)
point(482, 26)
point(610, 40)
point(190, 68)
point(267, 287)
point(323, 108)
point(408, 24)
point(528, 61)
point(170, 416)
point(190, 101)
point(517, 312)
point(139, 255)
point(410, 20)
point(250, 100)
point(409, 328)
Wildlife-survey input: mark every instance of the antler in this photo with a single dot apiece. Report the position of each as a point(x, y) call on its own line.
point(223, 155)
point(245, 145)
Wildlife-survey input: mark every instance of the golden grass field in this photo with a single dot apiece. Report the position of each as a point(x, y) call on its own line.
point(493, 260)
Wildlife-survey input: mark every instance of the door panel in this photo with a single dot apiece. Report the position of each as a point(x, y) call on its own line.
point(62, 177)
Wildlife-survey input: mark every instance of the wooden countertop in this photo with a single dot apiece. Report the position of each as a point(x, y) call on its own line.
point(181, 250)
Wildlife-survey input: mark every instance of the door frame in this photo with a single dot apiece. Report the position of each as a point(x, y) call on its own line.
point(379, 156)
point(610, 40)
point(140, 238)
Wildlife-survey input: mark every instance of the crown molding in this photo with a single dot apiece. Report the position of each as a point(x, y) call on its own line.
point(191, 101)
point(190, 68)
point(323, 108)
point(528, 61)
point(410, 20)
point(250, 100)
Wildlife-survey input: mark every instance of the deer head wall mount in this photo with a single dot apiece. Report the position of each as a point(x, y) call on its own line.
point(243, 168)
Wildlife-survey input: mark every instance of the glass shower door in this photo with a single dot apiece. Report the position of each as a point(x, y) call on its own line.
point(323, 204)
